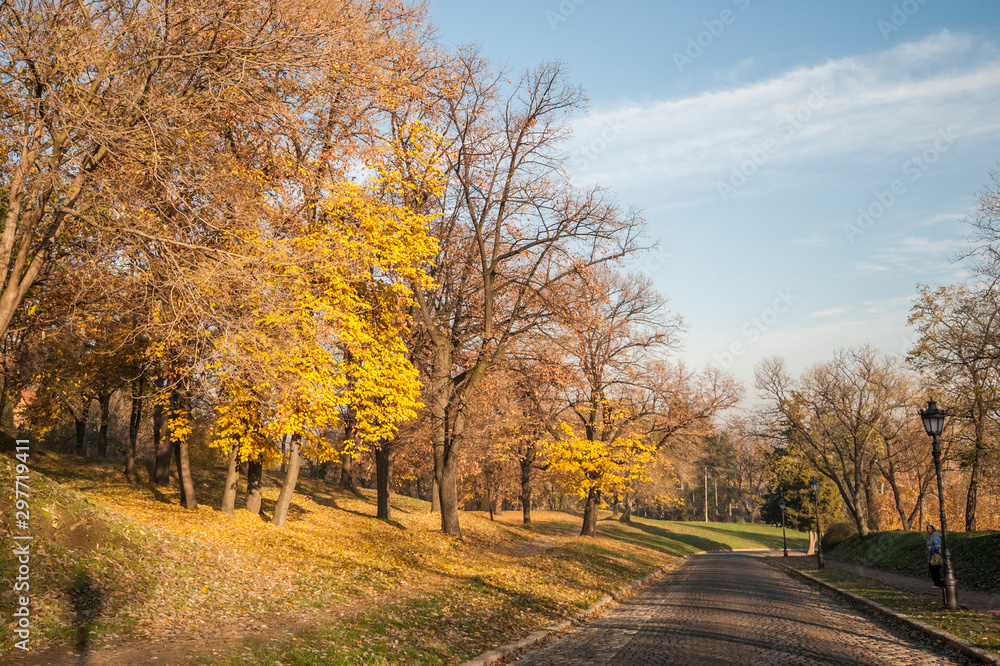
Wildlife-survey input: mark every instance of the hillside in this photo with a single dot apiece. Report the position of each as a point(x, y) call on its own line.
point(122, 566)
point(974, 555)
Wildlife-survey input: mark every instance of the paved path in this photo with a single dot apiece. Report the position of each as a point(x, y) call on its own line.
point(728, 608)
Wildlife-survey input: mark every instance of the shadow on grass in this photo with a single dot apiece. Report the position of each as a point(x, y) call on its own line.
point(88, 603)
point(664, 540)
point(772, 541)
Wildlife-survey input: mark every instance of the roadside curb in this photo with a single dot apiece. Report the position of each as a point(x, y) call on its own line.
point(941, 635)
point(496, 654)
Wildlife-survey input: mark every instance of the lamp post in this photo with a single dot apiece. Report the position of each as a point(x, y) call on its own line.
point(819, 539)
point(933, 419)
point(784, 541)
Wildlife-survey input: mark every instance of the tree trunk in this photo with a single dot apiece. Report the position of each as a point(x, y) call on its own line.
point(627, 512)
point(972, 497)
point(104, 401)
point(180, 446)
point(185, 481)
point(526, 463)
point(448, 490)
point(871, 509)
point(134, 420)
point(161, 445)
point(435, 497)
point(232, 478)
point(255, 475)
point(811, 550)
point(81, 427)
point(3, 393)
point(590, 513)
point(383, 458)
point(347, 470)
point(288, 487)
point(897, 498)
point(447, 427)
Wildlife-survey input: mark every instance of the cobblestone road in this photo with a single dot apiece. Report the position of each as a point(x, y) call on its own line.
point(729, 608)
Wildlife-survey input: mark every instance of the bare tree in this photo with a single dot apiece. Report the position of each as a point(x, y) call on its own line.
point(959, 345)
point(511, 231)
point(843, 416)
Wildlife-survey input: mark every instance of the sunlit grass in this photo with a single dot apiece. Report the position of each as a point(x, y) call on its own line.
point(204, 566)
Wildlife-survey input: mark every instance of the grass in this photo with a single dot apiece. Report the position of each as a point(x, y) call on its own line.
point(698, 536)
point(974, 555)
point(979, 629)
point(117, 561)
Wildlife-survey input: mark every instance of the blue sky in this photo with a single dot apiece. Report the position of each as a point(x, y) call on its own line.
point(803, 165)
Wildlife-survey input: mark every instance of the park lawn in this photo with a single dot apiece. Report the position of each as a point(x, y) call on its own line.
point(979, 629)
point(699, 536)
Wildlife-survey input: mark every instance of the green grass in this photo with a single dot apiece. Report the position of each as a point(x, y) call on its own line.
point(974, 555)
point(979, 629)
point(690, 537)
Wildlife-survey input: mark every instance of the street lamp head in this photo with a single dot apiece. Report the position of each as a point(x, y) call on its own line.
point(781, 503)
point(814, 483)
point(933, 419)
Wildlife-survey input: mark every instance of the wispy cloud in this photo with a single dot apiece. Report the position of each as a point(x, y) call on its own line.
point(844, 110)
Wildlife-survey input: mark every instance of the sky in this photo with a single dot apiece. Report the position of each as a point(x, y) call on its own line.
point(802, 166)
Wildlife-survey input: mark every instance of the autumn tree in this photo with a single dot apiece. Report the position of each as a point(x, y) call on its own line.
point(839, 417)
point(512, 230)
point(610, 327)
point(959, 346)
point(98, 93)
point(592, 467)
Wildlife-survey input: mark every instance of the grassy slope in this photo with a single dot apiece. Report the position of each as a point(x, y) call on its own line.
point(117, 559)
point(975, 555)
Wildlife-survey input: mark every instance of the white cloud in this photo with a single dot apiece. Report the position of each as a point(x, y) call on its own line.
point(890, 105)
point(832, 312)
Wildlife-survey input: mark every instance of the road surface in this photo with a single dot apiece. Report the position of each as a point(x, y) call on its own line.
point(730, 608)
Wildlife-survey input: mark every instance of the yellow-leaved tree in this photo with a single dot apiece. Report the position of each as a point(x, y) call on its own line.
point(325, 337)
point(593, 467)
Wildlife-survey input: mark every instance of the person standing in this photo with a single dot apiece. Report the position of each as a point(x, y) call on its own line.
point(934, 558)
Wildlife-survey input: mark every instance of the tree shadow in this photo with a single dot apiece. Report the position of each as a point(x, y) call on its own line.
point(696, 542)
point(87, 600)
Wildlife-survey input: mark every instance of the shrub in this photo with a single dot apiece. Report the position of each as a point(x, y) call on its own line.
point(836, 533)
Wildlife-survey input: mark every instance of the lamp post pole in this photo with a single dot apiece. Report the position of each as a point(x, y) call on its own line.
point(819, 532)
point(933, 419)
point(784, 541)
